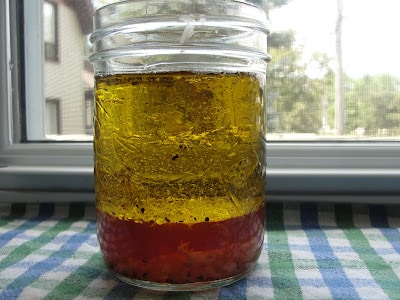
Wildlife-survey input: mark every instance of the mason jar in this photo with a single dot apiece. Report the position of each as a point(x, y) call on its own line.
point(179, 130)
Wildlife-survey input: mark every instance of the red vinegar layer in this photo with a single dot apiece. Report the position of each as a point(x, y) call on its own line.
point(181, 253)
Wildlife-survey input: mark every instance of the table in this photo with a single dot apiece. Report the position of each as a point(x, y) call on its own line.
point(311, 251)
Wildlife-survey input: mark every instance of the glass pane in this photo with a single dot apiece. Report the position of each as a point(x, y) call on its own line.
point(334, 73)
point(70, 78)
point(49, 22)
point(52, 117)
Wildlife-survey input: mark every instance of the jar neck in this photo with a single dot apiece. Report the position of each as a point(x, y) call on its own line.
point(192, 58)
point(195, 35)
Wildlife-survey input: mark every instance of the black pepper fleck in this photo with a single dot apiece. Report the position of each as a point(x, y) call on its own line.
point(142, 210)
point(207, 219)
point(175, 156)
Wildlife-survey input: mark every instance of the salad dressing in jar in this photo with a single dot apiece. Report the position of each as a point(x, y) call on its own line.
point(179, 140)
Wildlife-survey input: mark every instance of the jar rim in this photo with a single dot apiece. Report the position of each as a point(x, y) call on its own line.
point(118, 12)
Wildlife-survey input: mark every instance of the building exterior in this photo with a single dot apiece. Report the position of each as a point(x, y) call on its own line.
point(68, 75)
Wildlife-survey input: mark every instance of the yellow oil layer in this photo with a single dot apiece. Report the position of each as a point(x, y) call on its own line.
point(178, 147)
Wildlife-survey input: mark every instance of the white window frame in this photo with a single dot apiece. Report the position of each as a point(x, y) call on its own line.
point(296, 171)
point(34, 64)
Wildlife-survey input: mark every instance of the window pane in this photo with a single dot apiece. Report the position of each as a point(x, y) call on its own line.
point(50, 31)
point(67, 73)
point(67, 80)
point(334, 73)
point(49, 22)
point(53, 116)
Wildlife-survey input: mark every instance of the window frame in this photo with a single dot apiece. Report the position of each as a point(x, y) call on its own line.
point(63, 171)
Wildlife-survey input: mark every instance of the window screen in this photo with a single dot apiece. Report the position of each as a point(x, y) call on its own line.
point(333, 76)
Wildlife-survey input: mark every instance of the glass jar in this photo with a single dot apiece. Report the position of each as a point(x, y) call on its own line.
point(179, 132)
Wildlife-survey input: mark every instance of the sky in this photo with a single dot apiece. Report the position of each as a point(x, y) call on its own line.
point(371, 42)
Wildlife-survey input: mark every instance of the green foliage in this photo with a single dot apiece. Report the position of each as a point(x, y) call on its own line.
point(373, 103)
point(297, 98)
point(280, 39)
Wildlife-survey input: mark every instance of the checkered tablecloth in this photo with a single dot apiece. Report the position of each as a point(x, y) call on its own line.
point(311, 251)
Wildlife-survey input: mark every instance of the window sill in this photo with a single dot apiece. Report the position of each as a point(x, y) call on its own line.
point(322, 172)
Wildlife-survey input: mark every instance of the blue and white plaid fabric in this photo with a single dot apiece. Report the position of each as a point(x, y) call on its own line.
point(311, 251)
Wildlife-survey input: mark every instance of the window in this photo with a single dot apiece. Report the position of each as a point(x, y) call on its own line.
point(330, 79)
point(46, 107)
point(53, 121)
point(89, 108)
point(50, 31)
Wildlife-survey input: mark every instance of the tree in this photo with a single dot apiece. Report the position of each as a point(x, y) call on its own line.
point(373, 103)
point(295, 103)
point(299, 101)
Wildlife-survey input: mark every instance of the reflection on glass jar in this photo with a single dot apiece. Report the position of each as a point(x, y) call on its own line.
point(179, 148)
